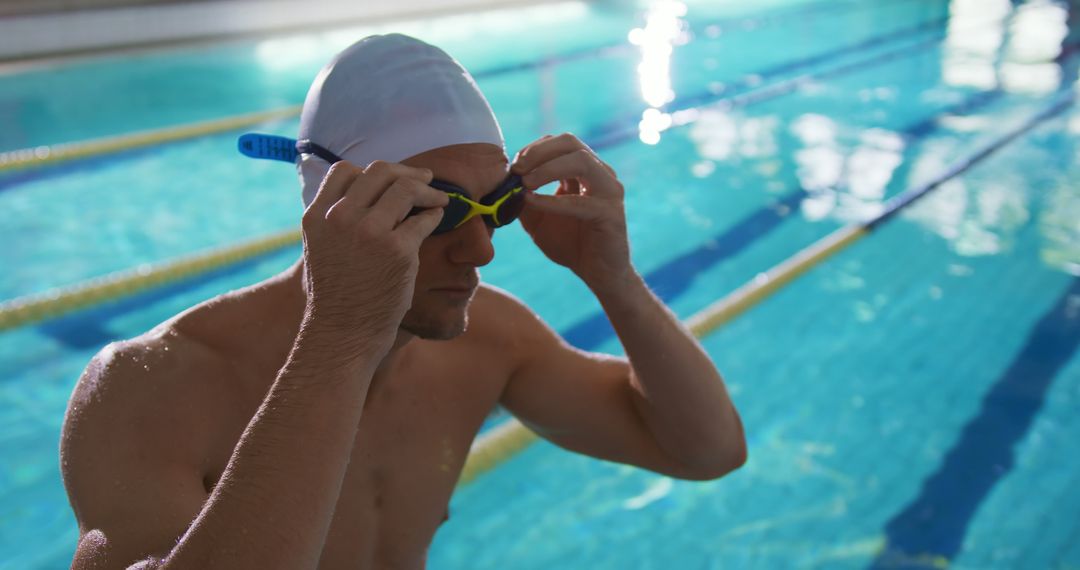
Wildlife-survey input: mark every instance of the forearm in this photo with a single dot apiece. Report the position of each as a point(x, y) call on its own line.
point(680, 394)
point(273, 505)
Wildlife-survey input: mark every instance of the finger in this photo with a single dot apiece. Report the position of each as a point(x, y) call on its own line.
point(378, 177)
point(544, 150)
point(334, 185)
point(402, 196)
point(387, 171)
point(607, 167)
point(526, 147)
point(570, 186)
point(531, 217)
point(417, 228)
point(579, 207)
point(581, 165)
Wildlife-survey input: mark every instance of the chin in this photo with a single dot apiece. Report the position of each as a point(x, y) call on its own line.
point(432, 326)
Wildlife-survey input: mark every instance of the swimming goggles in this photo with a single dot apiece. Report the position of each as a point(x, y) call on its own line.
point(498, 208)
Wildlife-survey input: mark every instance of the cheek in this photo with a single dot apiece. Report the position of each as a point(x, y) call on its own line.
point(431, 255)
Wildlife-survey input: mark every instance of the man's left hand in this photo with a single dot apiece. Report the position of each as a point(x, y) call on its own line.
point(583, 225)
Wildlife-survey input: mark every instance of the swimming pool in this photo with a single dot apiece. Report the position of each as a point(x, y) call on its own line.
point(909, 402)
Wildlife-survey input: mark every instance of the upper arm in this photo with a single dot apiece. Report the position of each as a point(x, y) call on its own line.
point(581, 401)
point(129, 473)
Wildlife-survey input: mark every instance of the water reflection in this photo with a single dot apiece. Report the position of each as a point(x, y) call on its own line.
point(664, 29)
point(971, 46)
point(983, 215)
point(722, 135)
point(1017, 54)
point(1036, 36)
point(843, 184)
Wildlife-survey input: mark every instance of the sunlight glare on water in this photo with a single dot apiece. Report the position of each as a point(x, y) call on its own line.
point(664, 29)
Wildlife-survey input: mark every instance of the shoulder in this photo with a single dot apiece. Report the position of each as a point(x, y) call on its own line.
point(504, 323)
point(138, 399)
point(503, 318)
point(143, 369)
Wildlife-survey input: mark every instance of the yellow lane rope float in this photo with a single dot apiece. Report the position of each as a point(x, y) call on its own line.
point(495, 446)
point(45, 155)
point(33, 308)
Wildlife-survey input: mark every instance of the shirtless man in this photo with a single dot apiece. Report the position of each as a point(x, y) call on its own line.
point(321, 418)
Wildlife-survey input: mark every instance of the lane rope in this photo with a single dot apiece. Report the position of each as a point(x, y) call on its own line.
point(45, 155)
point(33, 308)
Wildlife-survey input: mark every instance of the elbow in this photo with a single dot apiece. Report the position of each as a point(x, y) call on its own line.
point(731, 458)
point(721, 462)
point(738, 456)
point(727, 456)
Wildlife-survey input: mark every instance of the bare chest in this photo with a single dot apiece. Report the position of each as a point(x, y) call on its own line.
point(411, 445)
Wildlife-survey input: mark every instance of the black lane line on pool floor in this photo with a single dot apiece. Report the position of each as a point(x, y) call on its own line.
point(609, 135)
point(935, 523)
point(87, 328)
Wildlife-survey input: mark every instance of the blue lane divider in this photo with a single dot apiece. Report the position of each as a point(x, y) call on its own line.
point(933, 526)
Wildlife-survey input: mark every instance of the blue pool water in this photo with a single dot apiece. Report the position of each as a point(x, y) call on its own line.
point(908, 403)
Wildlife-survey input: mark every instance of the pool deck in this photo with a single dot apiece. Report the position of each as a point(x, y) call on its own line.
point(39, 38)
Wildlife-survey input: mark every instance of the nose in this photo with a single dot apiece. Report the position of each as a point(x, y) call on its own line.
point(472, 243)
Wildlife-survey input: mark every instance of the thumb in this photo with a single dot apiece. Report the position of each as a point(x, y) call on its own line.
point(419, 226)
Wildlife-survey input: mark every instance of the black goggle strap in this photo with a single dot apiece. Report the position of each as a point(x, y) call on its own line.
point(307, 147)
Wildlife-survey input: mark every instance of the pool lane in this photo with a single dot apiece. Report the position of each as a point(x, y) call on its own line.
point(617, 61)
point(614, 132)
point(757, 98)
point(931, 529)
point(115, 95)
point(87, 333)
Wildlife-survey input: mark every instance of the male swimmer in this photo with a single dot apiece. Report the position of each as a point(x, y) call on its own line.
point(320, 418)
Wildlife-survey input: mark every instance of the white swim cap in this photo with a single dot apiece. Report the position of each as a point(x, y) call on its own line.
point(389, 98)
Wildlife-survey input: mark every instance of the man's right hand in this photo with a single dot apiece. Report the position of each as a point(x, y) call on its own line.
point(361, 247)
